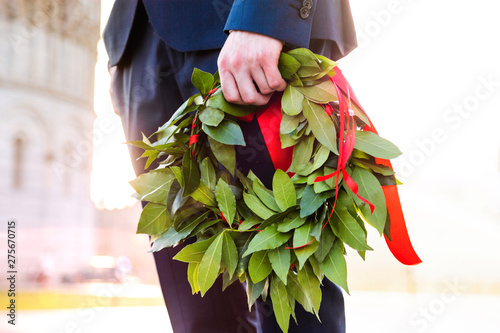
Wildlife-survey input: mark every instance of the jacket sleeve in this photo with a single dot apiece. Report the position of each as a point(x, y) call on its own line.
point(287, 20)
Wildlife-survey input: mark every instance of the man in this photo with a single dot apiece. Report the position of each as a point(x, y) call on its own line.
point(153, 47)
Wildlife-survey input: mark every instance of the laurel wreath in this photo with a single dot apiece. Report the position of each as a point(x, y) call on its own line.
point(282, 241)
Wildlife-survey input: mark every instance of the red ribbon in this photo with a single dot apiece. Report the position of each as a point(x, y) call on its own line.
point(193, 139)
point(224, 218)
point(346, 146)
point(399, 244)
point(269, 121)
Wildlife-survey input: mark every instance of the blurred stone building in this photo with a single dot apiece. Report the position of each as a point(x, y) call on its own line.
point(48, 51)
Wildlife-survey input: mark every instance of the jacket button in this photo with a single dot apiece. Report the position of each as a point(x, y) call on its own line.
point(307, 3)
point(304, 12)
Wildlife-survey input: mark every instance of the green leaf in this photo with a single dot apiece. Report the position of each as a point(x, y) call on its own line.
point(154, 219)
point(308, 61)
point(228, 132)
point(375, 167)
point(179, 203)
point(358, 112)
point(229, 254)
point(334, 266)
point(184, 214)
point(169, 136)
point(208, 175)
point(152, 155)
point(280, 261)
point(291, 102)
point(283, 190)
point(179, 113)
point(210, 116)
point(322, 125)
point(370, 189)
point(303, 55)
point(325, 244)
point(293, 221)
point(320, 187)
point(288, 123)
point(242, 241)
point(204, 195)
point(375, 145)
point(302, 152)
point(265, 195)
point(288, 66)
point(311, 200)
point(269, 238)
point(316, 269)
point(276, 218)
point(297, 291)
point(225, 154)
point(143, 144)
point(287, 140)
point(387, 228)
point(228, 280)
point(204, 225)
point(226, 200)
point(210, 264)
point(281, 303)
point(311, 288)
point(203, 81)
point(178, 174)
point(320, 158)
point(319, 219)
point(172, 236)
point(257, 206)
point(217, 101)
point(254, 290)
point(259, 266)
point(216, 79)
point(301, 237)
point(173, 193)
point(245, 181)
point(321, 93)
point(192, 272)
point(153, 186)
point(300, 131)
point(347, 229)
point(194, 252)
point(190, 173)
point(326, 65)
point(250, 222)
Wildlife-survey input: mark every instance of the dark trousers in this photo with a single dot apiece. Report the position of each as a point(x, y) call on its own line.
point(148, 85)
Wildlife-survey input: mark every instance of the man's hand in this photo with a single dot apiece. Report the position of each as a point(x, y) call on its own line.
point(247, 62)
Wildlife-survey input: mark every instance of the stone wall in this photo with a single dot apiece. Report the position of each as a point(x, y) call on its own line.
point(48, 51)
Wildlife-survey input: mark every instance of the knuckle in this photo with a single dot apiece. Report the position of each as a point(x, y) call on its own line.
point(266, 90)
point(248, 99)
point(235, 63)
point(231, 98)
point(275, 82)
point(222, 65)
point(222, 59)
point(262, 56)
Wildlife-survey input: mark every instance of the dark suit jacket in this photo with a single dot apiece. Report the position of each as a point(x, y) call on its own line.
point(193, 25)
